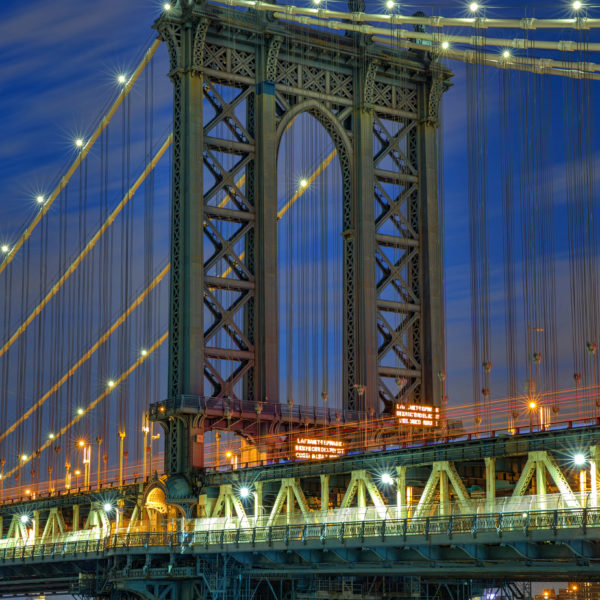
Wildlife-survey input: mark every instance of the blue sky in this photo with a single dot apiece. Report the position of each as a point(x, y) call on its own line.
point(58, 71)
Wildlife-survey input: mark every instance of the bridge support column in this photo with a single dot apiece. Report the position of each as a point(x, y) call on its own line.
point(186, 330)
point(538, 461)
point(432, 323)
point(540, 484)
point(266, 328)
point(75, 525)
point(364, 327)
point(490, 481)
point(187, 299)
point(400, 492)
point(324, 495)
point(444, 493)
point(194, 589)
point(594, 464)
point(258, 501)
point(36, 525)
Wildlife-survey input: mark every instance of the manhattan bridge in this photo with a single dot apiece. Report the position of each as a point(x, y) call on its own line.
point(265, 413)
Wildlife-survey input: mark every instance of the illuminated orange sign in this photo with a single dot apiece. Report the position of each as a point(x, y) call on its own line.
point(418, 414)
point(317, 449)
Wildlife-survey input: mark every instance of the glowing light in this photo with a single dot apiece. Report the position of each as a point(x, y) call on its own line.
point(27, 492)
point(303, 183)
point(144, 352)
point(577, 5)
point(108, 507)
point(228, 454)
point(390, 4)
point(162, 409)
point(524, 515)
point(80, 411)
point(24, 457)
point(167, 6)
point(122, 79)
point(51, 436)
point(445, 45)
point(579, 459)
point(79, 142)
point(4, 248)
point(386, 478)
point(77, 472)
point(473, 7)
point(306, 448)
point(244, 492)
point(506, 54)
point(316, 1)
point(40, 199)
point(24, 519)
point(110, 383)
point(81, 443)
point(419, 415)
point(532, 405)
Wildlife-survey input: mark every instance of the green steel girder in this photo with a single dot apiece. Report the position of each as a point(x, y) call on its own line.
point(128, 493)
point(561, 441)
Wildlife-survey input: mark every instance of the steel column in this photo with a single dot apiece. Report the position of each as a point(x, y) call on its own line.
point(266, 372)
point(432, 324)
point(186, 332)
point(365, 289)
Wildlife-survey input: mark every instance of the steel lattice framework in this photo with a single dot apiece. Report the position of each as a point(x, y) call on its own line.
point(239, 80)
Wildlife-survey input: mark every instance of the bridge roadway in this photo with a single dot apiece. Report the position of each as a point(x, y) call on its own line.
point(446, 532)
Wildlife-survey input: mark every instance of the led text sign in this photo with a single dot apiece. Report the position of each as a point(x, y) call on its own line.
point(418, 415)
point(317, 449)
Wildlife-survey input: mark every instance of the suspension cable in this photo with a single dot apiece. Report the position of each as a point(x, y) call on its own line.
point(87, 354)
point(322, 166)
point(433, 21)
point(88, 248)
point(120, 379)
point(82, 154)
point(143, 295)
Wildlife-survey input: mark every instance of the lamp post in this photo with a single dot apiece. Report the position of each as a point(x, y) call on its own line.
point(87, 463)
point(360, 392)
point(532, 406)
point(153, 438)
point(122, 435)
point(146, 431)
point(218, 442)
point(99, 442)
point(2, 463)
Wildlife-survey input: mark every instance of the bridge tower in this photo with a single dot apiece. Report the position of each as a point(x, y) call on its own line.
point(239, 78)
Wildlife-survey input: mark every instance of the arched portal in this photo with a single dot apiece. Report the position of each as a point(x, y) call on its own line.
point(310, 212)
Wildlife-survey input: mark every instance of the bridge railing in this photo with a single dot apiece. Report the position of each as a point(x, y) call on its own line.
point(375, 531)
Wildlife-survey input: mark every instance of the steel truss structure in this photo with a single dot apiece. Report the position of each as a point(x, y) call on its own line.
point(334, 525)
point(239, 79)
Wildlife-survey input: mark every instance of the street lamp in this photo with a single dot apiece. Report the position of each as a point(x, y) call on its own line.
point(532, 406)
